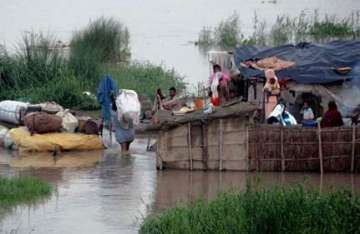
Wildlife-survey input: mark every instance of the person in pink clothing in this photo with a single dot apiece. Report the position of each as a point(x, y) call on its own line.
point(222, 87)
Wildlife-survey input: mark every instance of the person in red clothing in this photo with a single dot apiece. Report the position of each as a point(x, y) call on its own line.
point(332, 118)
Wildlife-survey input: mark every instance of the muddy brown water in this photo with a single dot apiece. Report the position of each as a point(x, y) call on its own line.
point(104, 192)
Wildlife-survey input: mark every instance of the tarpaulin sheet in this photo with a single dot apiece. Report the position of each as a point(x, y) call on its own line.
point(315, 63)
point(54, 141)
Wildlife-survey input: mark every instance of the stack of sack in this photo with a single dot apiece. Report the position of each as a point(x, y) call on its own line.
point(56, 125)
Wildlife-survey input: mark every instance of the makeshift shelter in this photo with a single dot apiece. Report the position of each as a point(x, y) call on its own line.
point(231, 138)
point(317, 72)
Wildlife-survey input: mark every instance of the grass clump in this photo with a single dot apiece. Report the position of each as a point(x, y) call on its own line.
point(286, 29)
point(145, 78)
point(37, 61)
point(41, 70)
point(276, 210)
point(18, 190)
point(205, 37)
point(104, 40)
point(227, 33)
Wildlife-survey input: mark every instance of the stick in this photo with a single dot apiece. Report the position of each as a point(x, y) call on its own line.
point(247, 148)
point(189, 146)
point(110, 129)
point(320, 150)
point(221, 141)
point(353, 148)
point(282, 149)
point(204, 139)
point(148, 142)
point(257, 161)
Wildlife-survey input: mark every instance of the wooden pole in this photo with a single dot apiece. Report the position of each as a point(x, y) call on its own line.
point(160, 149)
point(204, 141)
point(221, 144)
point(148, 146)
point(257, 161)
point(189, 146)
point(247, 149)
point(282, 149)
point(320, 150)
point(353, 148)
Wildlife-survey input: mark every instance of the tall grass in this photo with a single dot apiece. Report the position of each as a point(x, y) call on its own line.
point(39, 70)
point(145, 78)
point(104, 40)
point(227, 33)
point(206, 37)
point(276, 210)
point(22, 190)
point(286, 29)
point(38, 61)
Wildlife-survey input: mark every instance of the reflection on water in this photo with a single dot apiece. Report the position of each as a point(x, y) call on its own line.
point(104, 192)
point(179, 187)
point(63, 160)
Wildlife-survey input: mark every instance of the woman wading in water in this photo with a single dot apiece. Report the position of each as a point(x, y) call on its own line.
point(124, 128)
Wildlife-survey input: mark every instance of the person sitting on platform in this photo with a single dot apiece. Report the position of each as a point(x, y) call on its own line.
point(308, 116)
point(332, 118)
point(307, 112)
point(160, 97)
point(219, 85)
point(172, 103)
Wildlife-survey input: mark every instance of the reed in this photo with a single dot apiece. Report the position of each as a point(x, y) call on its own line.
point(275, 210)
point(22, 190)
point(41, 70)
point(310, 27)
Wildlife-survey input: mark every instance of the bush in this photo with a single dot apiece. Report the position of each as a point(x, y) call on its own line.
point(39, 72)
point(286, 29)
point(37, 60)
point(277, 210)
point(227, 33)
point(104, 40)
point(145, 78)
point(205, 37)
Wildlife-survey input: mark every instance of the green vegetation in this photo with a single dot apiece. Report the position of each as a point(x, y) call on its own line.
point(104, 40)
point(22, 190)
point(276, 210)
point(286, 29)
point(41, 70)
point(227, 33)
point(146, 78)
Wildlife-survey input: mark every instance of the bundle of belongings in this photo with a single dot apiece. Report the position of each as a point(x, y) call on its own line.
point(280, 116)
point(46, 127)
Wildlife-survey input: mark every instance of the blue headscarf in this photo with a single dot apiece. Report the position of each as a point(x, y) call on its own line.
point(106, 89)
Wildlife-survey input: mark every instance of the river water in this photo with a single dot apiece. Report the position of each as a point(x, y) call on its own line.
point(161, 30)
point(104, 192)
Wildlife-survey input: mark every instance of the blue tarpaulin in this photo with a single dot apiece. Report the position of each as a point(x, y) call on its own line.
point(315, 63)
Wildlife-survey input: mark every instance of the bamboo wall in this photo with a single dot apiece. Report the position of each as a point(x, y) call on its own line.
point(230, 144)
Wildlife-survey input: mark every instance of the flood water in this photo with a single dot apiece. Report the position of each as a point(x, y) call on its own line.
point(104, 192)
point(161, 30)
